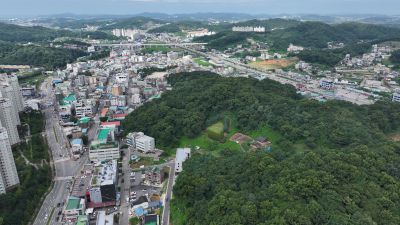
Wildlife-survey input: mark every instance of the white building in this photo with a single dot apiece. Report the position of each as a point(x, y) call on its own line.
point(326, 84)
point(103, 151)
point(141, 142)
point(294, 48)
point(396, 97)
point(200, 33)
point(7, 92)
point(13, 80)
point(8, 171)
point(104, 219)
point(83, 108)
point(7, 119)
point(104, 147)
point(248, 29)
point(182, 154)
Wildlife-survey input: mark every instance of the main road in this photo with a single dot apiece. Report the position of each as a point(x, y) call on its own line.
point(64, 167)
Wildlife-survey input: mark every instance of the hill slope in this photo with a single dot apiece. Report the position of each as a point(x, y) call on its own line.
point(333, 165)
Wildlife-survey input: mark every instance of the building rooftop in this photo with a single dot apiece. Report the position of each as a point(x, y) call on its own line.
point(73, 203)
point(105, 173)
point(182, 154)
point(103, 134)
point(113, 123)
point(101, 145)
point(70, 98)
point(77, 141)
point(151, 220)
point(82, 220)
point(84, 120)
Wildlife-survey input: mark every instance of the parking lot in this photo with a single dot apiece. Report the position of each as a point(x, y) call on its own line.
point(138, 189)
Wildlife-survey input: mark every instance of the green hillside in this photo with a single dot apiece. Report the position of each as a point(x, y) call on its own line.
point(332, 164)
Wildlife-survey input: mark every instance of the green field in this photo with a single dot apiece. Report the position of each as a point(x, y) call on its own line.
point(205, 143)
point(216, 131)
point(201, 62)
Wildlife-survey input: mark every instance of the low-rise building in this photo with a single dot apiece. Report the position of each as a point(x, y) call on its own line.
point(141, 142)
point(74, 208)
point(326, 84)
point(396, 97)
point(103, 190)
point(182, 154)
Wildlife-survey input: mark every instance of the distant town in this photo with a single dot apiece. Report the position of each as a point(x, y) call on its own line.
point(104, 175)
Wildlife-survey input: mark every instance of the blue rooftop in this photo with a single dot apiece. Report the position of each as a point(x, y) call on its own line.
point(139, 211)
point(77, 141)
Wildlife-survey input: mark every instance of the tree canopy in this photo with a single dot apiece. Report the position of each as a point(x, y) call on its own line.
point(334, 164)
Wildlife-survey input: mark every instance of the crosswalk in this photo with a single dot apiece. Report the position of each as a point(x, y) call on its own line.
point(63, 178)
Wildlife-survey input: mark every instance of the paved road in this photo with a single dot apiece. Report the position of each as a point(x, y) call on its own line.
point(125, 188)
point(168, 195)
point(65, 168)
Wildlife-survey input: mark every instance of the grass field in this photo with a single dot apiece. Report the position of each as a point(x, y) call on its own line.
point(201, 62)
point(272, 64)
point(205, 143)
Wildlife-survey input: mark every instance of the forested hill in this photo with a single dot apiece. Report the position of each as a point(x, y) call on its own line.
point(15, 33)
point(307, 34)
point(333, 164)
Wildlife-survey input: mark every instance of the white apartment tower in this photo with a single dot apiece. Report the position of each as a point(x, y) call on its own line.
point(7, 119)
point(7, 92)
point(8, 170)
point(19, 101)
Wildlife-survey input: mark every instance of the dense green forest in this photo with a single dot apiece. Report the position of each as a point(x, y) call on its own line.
point(37, 55)
point(15, 33)
point(280, 33)
point(137, 22)
point(333, 165)
point(18, 206)
point(395, 57)
point(331, 57)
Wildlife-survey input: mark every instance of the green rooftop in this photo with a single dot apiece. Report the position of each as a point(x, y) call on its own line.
point(81, 220)
point(62, 103)
point(70, 98)
point(84, 120)
point(103, 134)
point(73, 203)
point(97, 146)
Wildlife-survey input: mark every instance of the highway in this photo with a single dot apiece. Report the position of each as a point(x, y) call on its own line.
point(145, 44)
point(65, 168)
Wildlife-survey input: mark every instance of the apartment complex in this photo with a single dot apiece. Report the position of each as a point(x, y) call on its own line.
point(8, 171)
point(8, 119)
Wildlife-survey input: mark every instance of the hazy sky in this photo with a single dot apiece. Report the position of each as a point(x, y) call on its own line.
point(42, 7)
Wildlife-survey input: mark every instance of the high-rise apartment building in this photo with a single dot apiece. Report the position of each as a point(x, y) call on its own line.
point(7, 92)
point(8, 171)
point(8, 120)
point(19, 101)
